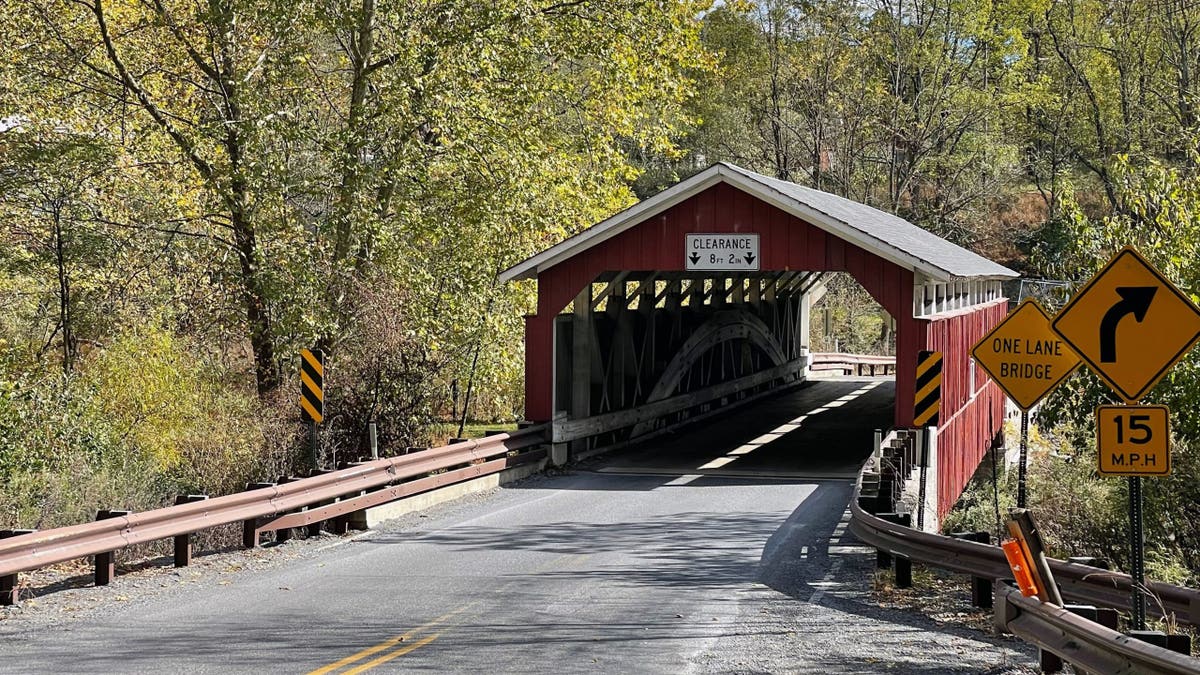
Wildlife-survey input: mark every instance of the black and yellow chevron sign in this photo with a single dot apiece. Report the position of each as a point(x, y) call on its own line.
point(929, 389)
point(312, 378)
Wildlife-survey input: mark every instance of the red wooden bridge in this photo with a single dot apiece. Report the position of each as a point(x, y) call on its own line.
point(636, 332)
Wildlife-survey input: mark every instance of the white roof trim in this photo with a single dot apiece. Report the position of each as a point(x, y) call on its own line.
point(720, 173)
point(613, 226)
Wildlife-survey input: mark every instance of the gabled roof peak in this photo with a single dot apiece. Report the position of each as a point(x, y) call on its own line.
point(886, 235)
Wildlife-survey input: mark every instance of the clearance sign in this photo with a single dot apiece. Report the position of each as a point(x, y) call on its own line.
point(1024, 356)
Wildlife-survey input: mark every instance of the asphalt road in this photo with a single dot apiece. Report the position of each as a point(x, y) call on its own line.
point(645, 562)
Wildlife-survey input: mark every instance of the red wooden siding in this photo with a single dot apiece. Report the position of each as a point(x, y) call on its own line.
point(786, 243)
point(968, 423)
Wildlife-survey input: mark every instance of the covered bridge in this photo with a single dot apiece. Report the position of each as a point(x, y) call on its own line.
point(641, 325)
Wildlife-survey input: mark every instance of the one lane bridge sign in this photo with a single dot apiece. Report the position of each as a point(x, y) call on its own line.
point(1024, 356)
point(723, 251)
point(1129, 324)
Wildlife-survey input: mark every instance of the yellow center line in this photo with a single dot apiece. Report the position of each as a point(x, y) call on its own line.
point(565, 560)
point(391, 655)
point(389, 643)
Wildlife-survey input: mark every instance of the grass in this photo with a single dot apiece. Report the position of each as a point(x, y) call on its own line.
point(439, 432)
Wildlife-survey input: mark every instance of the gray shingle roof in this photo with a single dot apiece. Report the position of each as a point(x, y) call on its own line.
point(887, 229)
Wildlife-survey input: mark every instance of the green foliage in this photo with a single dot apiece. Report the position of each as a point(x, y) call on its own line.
point(189, 193)
point(143, 419)
point(1081, 513)
point(1160, 215)
point(907, 107)
point(976, 509)
point(855, 322)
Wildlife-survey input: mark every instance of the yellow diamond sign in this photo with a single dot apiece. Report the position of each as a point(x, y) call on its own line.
point(1024, 356)
point(1129, 324)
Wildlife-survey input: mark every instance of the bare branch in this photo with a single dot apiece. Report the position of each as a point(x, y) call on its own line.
point(185, 144)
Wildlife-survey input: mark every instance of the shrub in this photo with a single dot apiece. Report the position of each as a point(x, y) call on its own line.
point(145, 418)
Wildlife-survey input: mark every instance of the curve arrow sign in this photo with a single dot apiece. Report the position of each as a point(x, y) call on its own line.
point(1134, 300)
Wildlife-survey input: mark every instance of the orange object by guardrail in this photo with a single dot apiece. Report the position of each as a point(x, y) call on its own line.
point(1020, 567)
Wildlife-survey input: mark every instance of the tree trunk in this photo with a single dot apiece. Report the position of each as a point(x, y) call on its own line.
point(64, 294)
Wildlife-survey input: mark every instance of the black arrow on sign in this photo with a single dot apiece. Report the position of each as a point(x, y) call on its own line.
point(749, 258)
point(695, 258)
point(1134, 300)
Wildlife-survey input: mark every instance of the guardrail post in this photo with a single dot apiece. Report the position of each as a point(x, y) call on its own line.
point(870, 491)
point(1049, 662)
point(1108, 617)
point(903, 572)
point(250, 533)
point(981, 588)
point(903, 565)
point(9, 591)
point(106, 563)
point(887, 486)
point(285, 533)
point(877, 453)
point(250, 526)
point(344, 523)
point(314, 529)
point(1180, 644)
point(1002, 612)
point(183, 542)
point(1104, 616)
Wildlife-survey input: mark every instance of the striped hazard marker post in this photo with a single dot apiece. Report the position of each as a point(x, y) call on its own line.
point(927, 408)
point(929, 389)
point(312, 395)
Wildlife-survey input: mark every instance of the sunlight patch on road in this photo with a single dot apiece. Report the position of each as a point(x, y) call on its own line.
point(785, 428)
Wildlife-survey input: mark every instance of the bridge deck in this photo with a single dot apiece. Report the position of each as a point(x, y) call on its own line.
point(821, 430)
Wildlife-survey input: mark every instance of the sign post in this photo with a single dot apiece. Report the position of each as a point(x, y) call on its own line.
point(1131, 325)
point(1137, 550)
point(1027, 360)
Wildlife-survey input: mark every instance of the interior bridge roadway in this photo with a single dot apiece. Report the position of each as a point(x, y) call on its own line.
point(721, 548)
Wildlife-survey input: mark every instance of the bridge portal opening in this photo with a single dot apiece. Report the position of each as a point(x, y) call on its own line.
point(669, 347)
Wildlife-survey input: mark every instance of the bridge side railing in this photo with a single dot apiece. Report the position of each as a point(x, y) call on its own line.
point(1074, 639)
point(658, 416)
point(853, 364)
point(268, 507)
point(661, 415)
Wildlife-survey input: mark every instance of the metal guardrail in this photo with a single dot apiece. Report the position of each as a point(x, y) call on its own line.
point(1075, 639)
point(853, 364)
point(1083, 643)
point(1084, 583)
point(274, 507)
